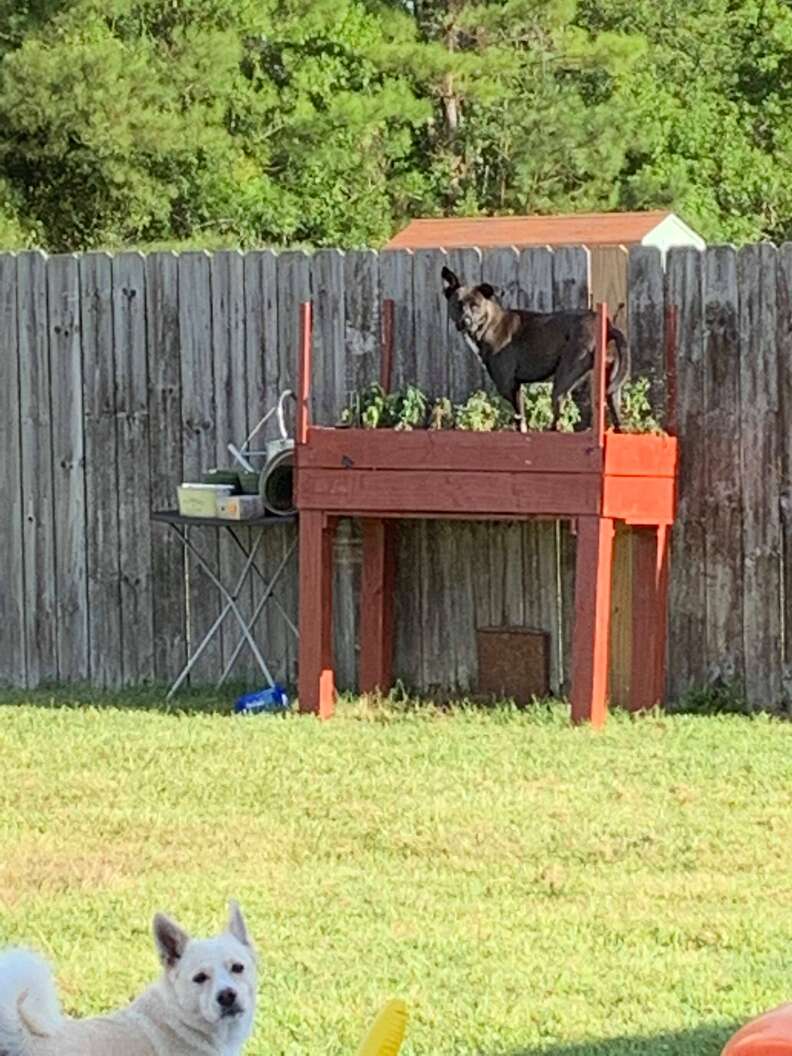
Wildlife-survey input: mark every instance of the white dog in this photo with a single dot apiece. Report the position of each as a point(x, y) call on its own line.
point(202, 1005)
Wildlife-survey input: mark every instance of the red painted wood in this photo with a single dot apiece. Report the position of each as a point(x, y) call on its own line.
point(386, 363)
point(304, 373)
point(598, 408)
point(376, 606)
point(640, 455)
point(316, 680)
point(437, 494)
point(649, 610)
point(592, 620)
point(639, 500)
point(437, 450)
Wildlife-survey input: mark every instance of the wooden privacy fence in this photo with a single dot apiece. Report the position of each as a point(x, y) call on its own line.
point(123, 375)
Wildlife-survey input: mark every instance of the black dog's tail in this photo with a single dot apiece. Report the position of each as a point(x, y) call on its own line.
point(621, 363)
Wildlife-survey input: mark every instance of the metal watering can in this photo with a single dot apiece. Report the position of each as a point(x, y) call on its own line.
point(276, 479)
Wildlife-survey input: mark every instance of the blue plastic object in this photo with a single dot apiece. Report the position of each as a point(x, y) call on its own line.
point(263, 700)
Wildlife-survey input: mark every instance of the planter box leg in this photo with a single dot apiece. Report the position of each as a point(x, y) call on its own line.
point(376, 605)
point(649, 612)
point(316, 678)
point(592, 619)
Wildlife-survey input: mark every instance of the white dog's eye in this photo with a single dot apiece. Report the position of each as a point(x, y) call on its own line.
point(237, 967)
point(201, 977)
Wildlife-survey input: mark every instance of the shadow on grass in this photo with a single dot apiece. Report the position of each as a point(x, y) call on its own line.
point(706, 1040)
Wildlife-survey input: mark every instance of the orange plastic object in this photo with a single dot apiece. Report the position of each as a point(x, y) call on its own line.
point(768, 1035)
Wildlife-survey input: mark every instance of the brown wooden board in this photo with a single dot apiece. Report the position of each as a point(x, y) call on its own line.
point(68, 460)
point(784, 339)
point(760, 463)
point(13, 670)
point(165, 461)
point(134, 489)
point(101, 471)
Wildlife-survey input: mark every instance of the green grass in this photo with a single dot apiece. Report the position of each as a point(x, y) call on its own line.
point(524, 885)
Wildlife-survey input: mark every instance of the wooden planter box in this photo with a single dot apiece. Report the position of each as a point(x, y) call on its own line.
point(594, 478)
point(388, 473)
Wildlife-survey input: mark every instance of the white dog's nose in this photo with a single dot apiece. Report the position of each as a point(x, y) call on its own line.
point(226, 998)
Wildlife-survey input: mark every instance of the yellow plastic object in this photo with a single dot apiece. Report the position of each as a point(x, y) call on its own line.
point(386, 1032)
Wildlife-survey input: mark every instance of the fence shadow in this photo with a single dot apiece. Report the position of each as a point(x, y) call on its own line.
point(705, 1040)
point(149, 697)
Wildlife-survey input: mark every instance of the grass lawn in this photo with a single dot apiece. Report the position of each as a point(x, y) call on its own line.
point(526, 886)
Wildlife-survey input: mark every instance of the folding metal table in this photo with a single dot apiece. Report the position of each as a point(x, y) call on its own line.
point(258, 527)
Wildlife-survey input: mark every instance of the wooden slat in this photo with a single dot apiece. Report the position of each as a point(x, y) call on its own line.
point(686, 644)
point(231, 422)
point(134, 489)
point(13, 669)
point(37, 484)
point(165, 461)
point(500, 267)
point(539, 540)
point(784, 339)
point(637, 500)
point(101, 470)
point(436, 573)
point(199, 445)
point(647, 322)
point(488, 452)
point(608, 268)
point(723, 491)
point(465, 371)
point(760, 463)
point(294, 287)
point(571, 278)
point(457, 493)
point(362, 323)
point(640, 455)
point(396, 283)
point(264, 385)
point(329, 383)
point(71, 582)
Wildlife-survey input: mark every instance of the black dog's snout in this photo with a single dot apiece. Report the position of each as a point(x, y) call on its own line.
point(226, 997)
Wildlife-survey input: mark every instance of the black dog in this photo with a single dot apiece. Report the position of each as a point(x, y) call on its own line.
point(519, 347)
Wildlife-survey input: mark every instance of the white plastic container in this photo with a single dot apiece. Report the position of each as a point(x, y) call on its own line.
point(200, 500)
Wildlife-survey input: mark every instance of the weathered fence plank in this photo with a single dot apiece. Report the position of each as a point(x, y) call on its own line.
point(328, 388)
point(784, 351)
point(13, 669)
point(199, 446)
point(101, 470)
point(71, 584)
point(760, 458)
point(540, 539)
point(396, 283)
point(646, 332)
point(134, 489)
point(723, 491)
point(231, 422)
point(571, 277)
point(465, 371)
point(264, 385)
point(687, 645)
point(362, 322)
point(294, 287)
point(165, 460)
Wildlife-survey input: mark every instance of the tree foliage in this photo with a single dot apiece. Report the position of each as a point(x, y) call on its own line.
point(330, 122)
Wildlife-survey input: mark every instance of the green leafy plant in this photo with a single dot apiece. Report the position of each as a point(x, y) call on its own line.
point(636, 408)
point(480, 413)
point(409, 409)
point(539, 409)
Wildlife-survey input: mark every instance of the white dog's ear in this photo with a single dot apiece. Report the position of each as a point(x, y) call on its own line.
point(236, 924)
point(170, 939)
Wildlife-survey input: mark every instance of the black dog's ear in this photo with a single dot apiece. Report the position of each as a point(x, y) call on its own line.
point(450, 281)
point(487, 291)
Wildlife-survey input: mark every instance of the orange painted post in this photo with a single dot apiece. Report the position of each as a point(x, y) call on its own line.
point(649, 614)
point(316, 678)
point(376, 606)
point(592, 620)
point(600, 358)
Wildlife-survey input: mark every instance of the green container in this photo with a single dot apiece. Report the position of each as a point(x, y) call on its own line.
point(223, 476)
point(248, 482)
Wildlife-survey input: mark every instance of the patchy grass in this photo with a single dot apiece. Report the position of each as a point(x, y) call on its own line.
point(524, 885)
